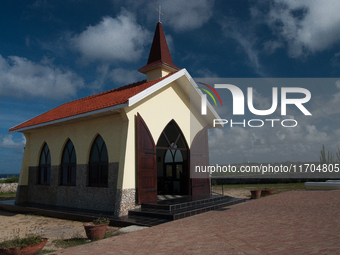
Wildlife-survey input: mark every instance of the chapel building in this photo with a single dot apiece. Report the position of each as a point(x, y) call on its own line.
point(118, 149)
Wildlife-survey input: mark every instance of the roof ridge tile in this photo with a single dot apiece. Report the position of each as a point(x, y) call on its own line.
point(91, 103)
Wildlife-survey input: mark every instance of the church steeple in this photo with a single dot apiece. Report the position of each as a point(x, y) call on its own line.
point(160, 62)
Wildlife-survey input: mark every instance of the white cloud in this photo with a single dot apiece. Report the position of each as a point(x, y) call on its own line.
point(113, 39)
point(21, 77)
point(246, 39)
point(261, 102)
point(123, 76)
point(270, 47)
point(303, 27)
point(119, 76)
point(185, 15)
point(206, 73)
point(307, 26)
point(267, 144)
point(180, 15)
point(335, 59)
point(337, 83)
point(324, 107)
point(7, 141)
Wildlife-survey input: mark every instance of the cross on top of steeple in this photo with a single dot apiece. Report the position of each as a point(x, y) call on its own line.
point(159, 14)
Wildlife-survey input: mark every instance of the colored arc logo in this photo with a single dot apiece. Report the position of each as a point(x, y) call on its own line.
point(208, 92)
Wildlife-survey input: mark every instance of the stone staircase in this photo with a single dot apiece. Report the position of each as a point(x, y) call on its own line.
point(174, 209)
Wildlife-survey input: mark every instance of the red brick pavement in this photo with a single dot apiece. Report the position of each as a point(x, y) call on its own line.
point(295, 222)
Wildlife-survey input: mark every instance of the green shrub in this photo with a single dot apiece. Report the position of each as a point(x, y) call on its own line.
point(13, 179)
point(21, 242)
point(100, 220)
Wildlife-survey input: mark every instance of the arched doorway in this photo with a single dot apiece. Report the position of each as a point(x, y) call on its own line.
point(172, 162)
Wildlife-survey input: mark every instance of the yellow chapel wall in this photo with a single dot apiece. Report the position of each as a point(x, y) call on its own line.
point(82, 135)
point(157, 73)
point(157, 110)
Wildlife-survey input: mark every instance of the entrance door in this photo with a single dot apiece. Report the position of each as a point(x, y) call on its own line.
point(175, 179)
point(172, 162)
point(172, 180)
point(199, 156)
point(146, 156)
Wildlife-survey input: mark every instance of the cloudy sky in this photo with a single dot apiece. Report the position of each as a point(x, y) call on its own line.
point(52, 52)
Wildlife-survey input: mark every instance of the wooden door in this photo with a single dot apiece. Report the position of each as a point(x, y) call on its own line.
point(147, 165)
point(199, 156)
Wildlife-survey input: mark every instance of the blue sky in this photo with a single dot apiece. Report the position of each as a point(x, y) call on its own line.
point(52, 52)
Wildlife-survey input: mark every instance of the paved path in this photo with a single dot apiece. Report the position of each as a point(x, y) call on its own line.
point(295, 222)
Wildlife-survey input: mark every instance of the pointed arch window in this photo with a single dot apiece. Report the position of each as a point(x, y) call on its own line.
point(173, 156)
point(172, 167)
point(45, 165)
point(68, 165)
point(98, 164)
point(171, 137)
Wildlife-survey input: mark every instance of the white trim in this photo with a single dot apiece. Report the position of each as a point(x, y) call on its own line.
point(147, 92)
point(183, 72)
point(194, 84)
point(108, 109)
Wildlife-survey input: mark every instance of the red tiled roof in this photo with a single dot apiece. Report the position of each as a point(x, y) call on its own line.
point(159, 53)
point(88, 104)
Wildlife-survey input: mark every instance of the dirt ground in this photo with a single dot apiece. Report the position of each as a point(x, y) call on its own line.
point(239, 193)
point(12, 224)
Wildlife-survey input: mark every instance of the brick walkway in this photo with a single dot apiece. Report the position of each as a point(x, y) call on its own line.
point(296, 222)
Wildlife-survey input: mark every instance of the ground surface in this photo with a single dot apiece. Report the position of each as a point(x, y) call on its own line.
point(239, 193)
point(243, 190)
point(12, 224)
point(294, 222)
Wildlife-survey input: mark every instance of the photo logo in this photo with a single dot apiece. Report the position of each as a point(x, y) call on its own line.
point(204, 97)
point(239, 102)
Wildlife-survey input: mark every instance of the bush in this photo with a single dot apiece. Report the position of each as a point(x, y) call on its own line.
point(13, 179)
point(100, 221)
point(21, 242)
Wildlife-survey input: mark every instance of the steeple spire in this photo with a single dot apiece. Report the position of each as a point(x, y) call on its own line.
point(160, 62)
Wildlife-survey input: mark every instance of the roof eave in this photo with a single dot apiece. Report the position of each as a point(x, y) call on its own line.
point(75, 117)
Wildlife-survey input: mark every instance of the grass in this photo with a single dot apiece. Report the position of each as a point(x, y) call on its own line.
point(278, 187)
point(73, 241)
point(21, 242)
point(10, 194)
point(13, 179)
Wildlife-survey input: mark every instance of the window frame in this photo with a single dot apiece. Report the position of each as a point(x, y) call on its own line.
point(99, 168)
point(70, 166)
point(45, 168)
